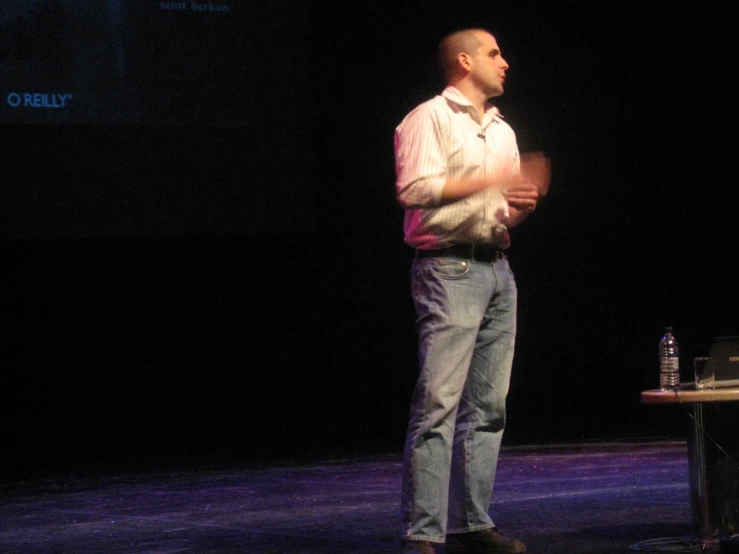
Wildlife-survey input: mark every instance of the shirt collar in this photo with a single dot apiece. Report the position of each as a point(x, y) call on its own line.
point(451, 93)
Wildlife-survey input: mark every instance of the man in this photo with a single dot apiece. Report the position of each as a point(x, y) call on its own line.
point(463, 184)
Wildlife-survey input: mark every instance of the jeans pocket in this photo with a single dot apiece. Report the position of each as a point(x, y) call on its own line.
point(449, 268)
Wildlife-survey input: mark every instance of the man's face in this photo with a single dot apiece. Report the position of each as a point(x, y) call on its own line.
point(487, 66)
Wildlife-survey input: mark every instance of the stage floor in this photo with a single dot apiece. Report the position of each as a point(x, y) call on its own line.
point(559, 499)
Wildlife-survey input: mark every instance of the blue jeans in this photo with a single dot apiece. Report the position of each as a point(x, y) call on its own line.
point(466, 326)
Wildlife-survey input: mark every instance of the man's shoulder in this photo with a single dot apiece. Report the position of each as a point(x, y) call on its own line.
point(431, 108)
point(436, 103)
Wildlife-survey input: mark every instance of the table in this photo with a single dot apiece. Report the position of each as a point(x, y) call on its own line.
point(713, 455)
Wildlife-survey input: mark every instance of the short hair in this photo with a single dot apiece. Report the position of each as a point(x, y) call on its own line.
point(453, 44)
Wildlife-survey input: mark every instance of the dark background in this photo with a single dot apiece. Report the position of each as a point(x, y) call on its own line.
point(146, 333)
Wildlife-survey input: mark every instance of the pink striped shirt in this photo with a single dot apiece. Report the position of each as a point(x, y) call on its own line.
point(443, 139)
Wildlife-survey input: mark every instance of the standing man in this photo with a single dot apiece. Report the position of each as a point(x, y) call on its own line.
point(463, 184)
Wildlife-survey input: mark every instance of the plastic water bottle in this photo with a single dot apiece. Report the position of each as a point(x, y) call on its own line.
point(669, 365)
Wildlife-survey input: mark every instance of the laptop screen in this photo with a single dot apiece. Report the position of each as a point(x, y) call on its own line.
point(724, 354)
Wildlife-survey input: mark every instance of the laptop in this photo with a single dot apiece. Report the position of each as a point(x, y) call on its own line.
point(724, 354)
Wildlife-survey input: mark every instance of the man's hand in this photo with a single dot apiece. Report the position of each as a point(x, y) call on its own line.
point(536, 168)
point(523, 196)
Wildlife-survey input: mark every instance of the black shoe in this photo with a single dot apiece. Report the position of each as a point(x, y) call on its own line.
point(418, 547)
point(488, 541)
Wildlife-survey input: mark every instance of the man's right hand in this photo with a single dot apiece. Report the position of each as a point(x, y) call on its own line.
point(536, 168)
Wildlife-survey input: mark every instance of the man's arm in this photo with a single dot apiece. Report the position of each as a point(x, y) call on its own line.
point(458, 189)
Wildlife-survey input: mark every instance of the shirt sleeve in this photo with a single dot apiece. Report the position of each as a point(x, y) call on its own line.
point(420, 159)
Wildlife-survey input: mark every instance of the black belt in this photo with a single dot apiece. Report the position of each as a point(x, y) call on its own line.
point(478, 252)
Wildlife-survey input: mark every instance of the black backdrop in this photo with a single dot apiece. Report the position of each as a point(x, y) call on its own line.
point(204, 331)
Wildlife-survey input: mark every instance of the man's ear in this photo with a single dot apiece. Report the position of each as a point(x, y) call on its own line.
point(463, 59)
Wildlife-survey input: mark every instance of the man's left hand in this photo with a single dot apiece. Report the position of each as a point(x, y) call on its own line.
point(523, 196)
